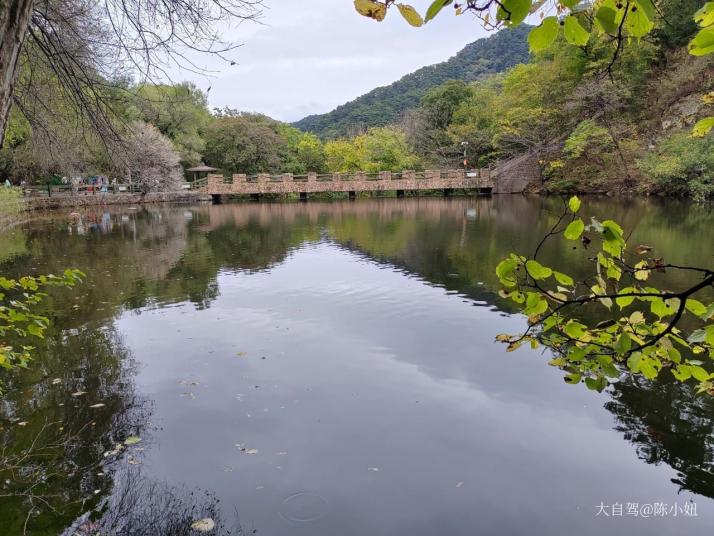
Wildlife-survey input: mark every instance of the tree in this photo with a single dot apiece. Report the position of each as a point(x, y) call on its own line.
point(88, 44)
point(152, 163)
point(179, 111)
point(380, 149)
point(244, 143)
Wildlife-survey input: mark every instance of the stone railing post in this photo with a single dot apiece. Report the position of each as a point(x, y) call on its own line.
point(287, 177)
point(263, 178)
point(239, 177)
point(213, 181)
point(431, 174)
point(311, 176)
point(360, 176)
point(336, 176)
point(409, 174)
point(385, 175)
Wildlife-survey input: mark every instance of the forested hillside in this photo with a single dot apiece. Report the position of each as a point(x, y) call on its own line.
point(385, 105)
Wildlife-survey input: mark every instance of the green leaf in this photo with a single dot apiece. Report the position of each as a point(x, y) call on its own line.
point(573, 378)
point(132, 440)
point(410, 15)
point(563, 279)
point(574, 204)
point(505, 272)
point(434, 8)
point(544, 35)
point(596, 384)
point(705, 16)
point(535, 304)
point(702, 127)
point(682, 372)
point(370, 8)
point(637, 23)
point(574, 229)
point(699, 373)
point(648, 8)
point(623, 344)
point(625, 300)
point(570, 4)
point(537, 271)
point(574, 330)
point(577, 35)
point(35, 330)
point(663, 308)
point(513, 12)
point(703, 42)
point(608, 19)
point(695, 307)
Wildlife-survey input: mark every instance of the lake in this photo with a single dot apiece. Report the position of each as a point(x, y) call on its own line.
point(329, 368)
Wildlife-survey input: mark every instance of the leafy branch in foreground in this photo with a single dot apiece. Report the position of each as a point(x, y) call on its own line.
point(645, 329)
point(18, 301)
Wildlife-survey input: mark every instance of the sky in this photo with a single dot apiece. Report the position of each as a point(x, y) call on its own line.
point(309, 56)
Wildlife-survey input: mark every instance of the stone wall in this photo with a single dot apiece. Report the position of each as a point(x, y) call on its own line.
point(68, 201)
point(515, 175)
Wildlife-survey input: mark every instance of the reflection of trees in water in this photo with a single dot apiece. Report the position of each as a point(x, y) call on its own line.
point(669, 424)
point(161, 255)
point(53, 465)
point(140, 506)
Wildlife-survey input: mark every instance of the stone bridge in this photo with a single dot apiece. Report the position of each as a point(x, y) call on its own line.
point(256, 185)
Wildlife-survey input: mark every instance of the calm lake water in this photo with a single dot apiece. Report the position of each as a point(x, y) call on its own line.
point(330, 369)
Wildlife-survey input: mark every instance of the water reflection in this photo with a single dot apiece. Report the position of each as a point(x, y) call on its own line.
point(336, 338)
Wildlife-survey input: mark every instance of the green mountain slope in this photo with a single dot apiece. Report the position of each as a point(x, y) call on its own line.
point(385, 105)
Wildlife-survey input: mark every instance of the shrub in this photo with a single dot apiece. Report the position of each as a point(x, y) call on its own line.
point(11, 201)
point(682, 165)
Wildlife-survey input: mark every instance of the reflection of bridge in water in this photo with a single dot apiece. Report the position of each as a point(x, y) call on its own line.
point(447, 181)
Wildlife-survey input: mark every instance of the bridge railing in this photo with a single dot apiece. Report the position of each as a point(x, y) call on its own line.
point(221, 181)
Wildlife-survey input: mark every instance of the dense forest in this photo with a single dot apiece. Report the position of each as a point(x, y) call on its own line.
point(385, 105)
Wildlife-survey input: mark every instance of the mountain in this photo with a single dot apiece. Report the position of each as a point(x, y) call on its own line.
point(385, 105)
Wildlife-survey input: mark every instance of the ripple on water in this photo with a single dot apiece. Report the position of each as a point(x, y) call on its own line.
point(304, 507)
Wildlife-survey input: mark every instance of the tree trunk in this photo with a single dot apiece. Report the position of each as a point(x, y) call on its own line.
point(14, 20)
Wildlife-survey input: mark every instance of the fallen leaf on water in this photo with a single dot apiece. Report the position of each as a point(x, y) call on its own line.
point(23, 423)
point(203, 525)
point(56, 381)
point(79, 393)
point(459, 484)
point(99, 405)
point(188, 395)
point(132, 440)
point(241, 354)
point(375, 469)
point(251, 451)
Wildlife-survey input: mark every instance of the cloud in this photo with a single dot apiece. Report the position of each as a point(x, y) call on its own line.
point(311, 56)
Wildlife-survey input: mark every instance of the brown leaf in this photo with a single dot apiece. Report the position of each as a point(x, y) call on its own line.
point(642, 249)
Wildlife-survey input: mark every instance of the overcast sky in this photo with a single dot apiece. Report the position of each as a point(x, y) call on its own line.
point(309, 56)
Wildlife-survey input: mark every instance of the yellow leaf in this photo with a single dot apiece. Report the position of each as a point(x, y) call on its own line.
point(641, 271)
point(410, 15)
point(370, 8)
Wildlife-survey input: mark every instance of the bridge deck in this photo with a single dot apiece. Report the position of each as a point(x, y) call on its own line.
point(347, 182)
